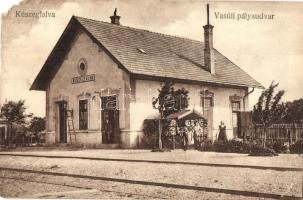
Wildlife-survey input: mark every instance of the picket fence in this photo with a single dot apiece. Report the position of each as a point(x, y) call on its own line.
point(286, 132)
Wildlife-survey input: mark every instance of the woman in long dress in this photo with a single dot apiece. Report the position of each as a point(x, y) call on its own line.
point(222, 132)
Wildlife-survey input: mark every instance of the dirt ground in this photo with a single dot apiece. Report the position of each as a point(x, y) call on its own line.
point(73, 188)
point(227, 178)
point(283, 160)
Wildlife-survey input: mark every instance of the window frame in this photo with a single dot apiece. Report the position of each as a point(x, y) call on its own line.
point(211, 102)
point(238, 109)
point(206, 94)
point(83, 114)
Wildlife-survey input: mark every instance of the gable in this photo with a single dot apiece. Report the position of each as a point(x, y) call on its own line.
point(97, 73)
point(59, 53)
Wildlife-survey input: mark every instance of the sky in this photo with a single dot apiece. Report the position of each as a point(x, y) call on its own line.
point(266, 49)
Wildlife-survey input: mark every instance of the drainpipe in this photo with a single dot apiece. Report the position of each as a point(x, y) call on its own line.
point(248, 93)
point(253, 89)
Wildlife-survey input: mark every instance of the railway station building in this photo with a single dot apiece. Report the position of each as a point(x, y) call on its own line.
point(106, 74)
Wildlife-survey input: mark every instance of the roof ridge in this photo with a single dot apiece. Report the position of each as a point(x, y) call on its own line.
point(139, 29)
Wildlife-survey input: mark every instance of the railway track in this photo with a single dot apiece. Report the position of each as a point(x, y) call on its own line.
point(80, 189)
point(129, 183)
point(146, 183)
point(159, 162)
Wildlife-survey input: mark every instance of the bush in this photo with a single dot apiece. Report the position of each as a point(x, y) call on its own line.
point(279, 147)
point(231, 146)
point(150, 127)
point(167, 141)
point(297, 147)
point(206, 145)
point(260, 150)
point(149, 141)
point(238, 146)
point(221, 147)
point(234, 146)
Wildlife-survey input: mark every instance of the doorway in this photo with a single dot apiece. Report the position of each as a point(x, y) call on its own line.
point(110, 120)
point(207, 105)
point(62, 122)
point(236, 125)
point(2, 135)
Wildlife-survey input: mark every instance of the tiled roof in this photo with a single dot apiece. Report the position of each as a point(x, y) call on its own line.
point(165, 55)
point(147, 53)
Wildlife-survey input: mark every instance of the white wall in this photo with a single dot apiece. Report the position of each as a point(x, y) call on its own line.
point(107, 75)
point(146, 90)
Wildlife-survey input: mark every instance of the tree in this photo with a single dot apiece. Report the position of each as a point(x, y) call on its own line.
point(169, 101)
point(294, 111)
point(14, 112)
point(37, 124)
point(268, 109)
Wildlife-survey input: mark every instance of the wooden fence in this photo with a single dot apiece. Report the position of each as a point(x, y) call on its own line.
point(290, 132)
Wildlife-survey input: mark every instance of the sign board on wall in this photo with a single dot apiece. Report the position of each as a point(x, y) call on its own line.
point(81, 79)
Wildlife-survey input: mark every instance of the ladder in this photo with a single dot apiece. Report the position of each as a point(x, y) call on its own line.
point(71, 126)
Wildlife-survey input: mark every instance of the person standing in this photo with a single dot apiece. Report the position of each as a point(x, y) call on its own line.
point(185, 139)
point(222, 132)
point(197, 135)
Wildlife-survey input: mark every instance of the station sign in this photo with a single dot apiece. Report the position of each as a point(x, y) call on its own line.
point(82, 79)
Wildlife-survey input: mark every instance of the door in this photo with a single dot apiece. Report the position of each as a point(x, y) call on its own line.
point(110, 120)
point(2, 135)
point(236, 125)
point(62, 122)
point(207, 105)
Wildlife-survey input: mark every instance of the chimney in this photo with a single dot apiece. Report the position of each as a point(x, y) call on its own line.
point(115, 18)
point(209, 59)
